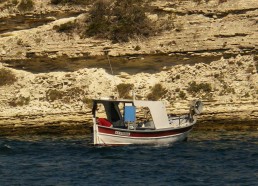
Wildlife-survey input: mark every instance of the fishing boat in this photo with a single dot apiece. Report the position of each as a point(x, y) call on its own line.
point(139, 122)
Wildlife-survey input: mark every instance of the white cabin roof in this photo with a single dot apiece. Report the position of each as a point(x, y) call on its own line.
point(158, 112)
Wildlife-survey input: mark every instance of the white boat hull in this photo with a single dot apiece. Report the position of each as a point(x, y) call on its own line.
point(111, 136)
point(120, 125)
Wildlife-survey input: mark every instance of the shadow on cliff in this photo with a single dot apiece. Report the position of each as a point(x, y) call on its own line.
point(131, 64)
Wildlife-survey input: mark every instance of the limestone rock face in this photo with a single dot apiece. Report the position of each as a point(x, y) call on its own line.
point(229, 27)
point(208, 52)
point(232, 92)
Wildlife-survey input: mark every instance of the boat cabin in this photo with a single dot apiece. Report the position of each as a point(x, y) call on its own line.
point(122, 114)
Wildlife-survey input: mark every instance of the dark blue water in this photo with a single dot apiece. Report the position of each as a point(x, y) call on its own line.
point(208, 158)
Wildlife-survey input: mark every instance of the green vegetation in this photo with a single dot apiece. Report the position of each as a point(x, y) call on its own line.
point(226, 89)
point(65, 27)
point(239, 63)
point(118, 20)
point(216, 76)
point(177, 89)
point(174, 78)
point(222, 1)
point(19, 41)
point(20, 101)
point(56, 2)
point(74, 93)
point(26, 5)
point(247, 95)
point(67, 96)
point(179, 26)
point(182, 95)
point(124, 89)
point(8, 3)
point(195, 88)
point(207, 96)
point(157, 92)
point(198, 2)
point(53, 94)
point(2, 1)
point(38, 40)
point(99, 20)
point(137, 48)
point(88, 102)
point(250, 69)
point(6, 77)
point(14, 2)
point(75, 2)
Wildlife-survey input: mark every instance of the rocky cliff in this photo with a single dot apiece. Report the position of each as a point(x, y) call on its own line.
point(210, 43)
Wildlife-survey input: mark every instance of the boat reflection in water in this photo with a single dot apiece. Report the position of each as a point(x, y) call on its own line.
point(121, 125)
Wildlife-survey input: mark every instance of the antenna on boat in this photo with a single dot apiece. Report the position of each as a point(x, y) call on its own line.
point(106, 51)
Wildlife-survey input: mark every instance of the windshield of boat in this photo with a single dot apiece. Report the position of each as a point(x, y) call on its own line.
point(117, 114)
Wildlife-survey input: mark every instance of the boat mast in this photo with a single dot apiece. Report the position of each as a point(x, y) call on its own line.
point(106, 51)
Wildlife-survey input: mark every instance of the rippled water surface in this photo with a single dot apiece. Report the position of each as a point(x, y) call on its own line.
point(208, 158)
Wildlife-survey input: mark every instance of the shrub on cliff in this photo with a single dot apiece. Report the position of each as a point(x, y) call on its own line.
point(157, 92)
point(6, 77)
point(226, 89)
point(75, 2)
point(124, 89)
point(222, 1)
point(88, 102)
point(118, 21)
point(74, 93)
point(14, 2)
point(196, 88)
point(67, 96)
point(65, 27)
point(56, 2)
point(20, 101)
point(198, 2)
point(2, 1)
point(201, 1)
point(182, 95)
point(26, 5)
point(53, 95)
point(99, 20)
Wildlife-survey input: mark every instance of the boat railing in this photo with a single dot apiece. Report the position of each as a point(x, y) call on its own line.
point(178, 120)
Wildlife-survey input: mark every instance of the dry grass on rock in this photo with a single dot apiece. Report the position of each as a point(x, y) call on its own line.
point(26, 5)
point(7, 77)
point(157, 92)
point(118, 21)
point(124, 89)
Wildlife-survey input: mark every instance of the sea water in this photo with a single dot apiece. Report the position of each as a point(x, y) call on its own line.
point(207, 158)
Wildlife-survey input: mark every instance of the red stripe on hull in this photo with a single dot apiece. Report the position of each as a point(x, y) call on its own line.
point(153, 133)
